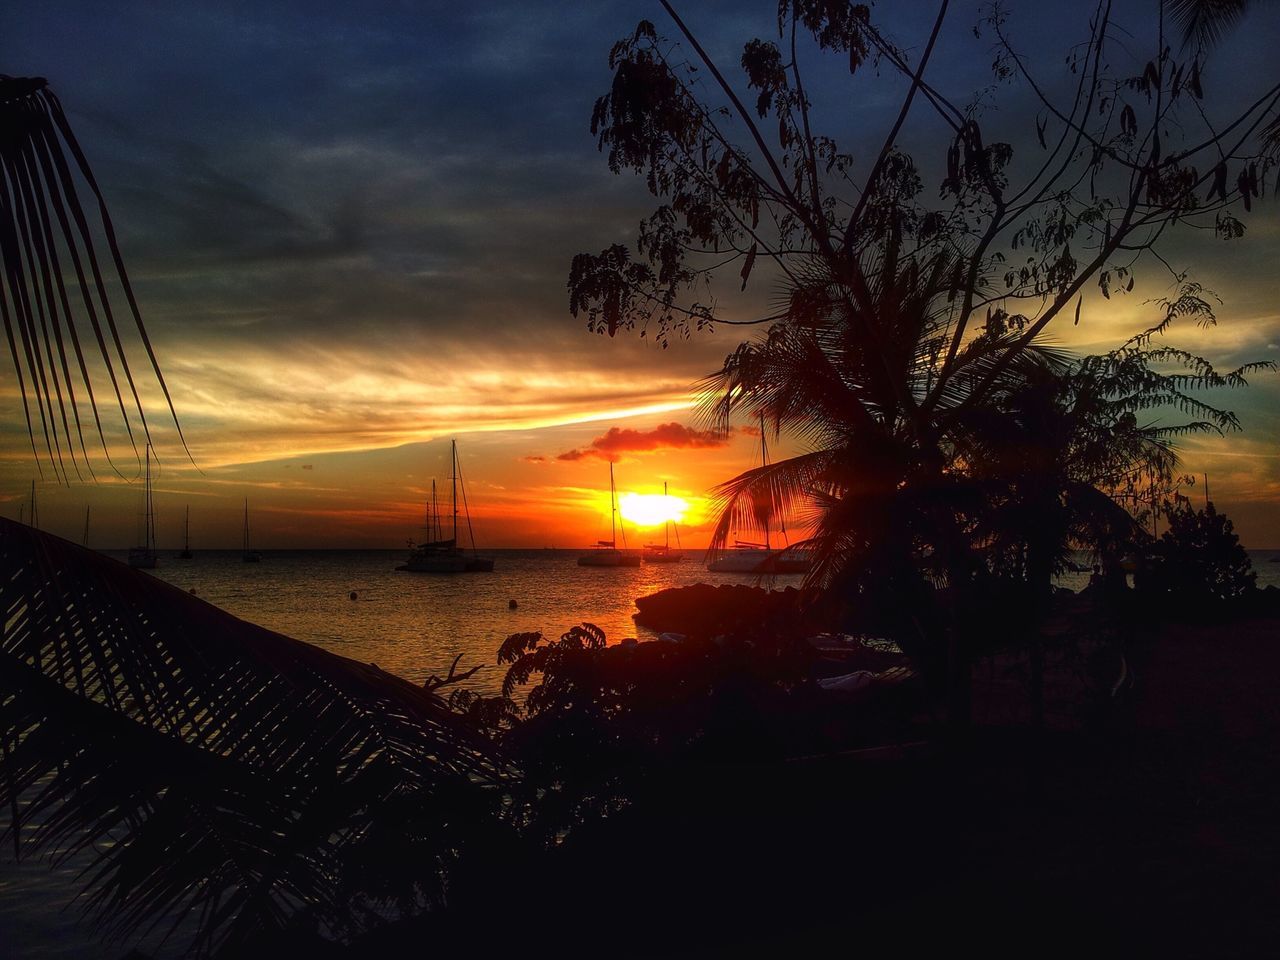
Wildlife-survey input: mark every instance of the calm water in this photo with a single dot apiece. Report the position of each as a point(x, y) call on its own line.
point(410, 624)
point(414, 624)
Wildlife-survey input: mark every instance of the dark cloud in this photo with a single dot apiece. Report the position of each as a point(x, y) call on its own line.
point(666, 436)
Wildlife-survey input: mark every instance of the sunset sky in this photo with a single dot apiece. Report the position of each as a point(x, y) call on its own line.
point(350, 227)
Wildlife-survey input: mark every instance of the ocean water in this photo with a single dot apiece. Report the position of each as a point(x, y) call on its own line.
point(415, 624)
point(410, 624)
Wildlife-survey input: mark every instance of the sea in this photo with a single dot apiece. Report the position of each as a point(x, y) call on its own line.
point(355, 603)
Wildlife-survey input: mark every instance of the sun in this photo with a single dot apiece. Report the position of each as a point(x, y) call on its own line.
point(651, 509)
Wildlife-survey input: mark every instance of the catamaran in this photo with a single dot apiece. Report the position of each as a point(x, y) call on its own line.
point(606, 553)
point(144, 557)
point(439, 555)
point(662, 552)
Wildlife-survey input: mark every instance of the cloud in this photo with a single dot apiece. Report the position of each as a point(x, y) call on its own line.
point(666, 436)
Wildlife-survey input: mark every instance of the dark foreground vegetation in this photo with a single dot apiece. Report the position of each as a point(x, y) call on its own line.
point(1146, 826)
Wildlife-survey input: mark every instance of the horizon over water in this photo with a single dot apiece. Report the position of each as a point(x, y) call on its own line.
point(414, 624)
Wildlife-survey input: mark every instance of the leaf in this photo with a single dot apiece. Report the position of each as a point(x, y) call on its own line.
point(722, 169)
point(748, 264)
point(1150, 76)
point(1079, 301)
point(1219, 185)
point(1128, 120)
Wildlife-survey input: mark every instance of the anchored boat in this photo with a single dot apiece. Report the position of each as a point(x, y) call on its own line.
point(440, 555)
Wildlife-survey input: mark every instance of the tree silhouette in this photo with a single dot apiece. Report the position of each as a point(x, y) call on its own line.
point(1201, 559)
point(905, 345)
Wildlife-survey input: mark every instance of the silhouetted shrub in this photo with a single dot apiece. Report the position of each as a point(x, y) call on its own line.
point(1200, 558)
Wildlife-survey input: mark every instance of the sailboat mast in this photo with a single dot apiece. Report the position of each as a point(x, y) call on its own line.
point(151, 514)
point(433, 520)
point(666, 527)
point(85, 541)
point(764, 462)
point(453, 453)
point(186, 531)
point(613, 510)
point(246, 524)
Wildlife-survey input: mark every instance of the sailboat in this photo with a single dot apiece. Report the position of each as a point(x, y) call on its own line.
point(439, 555)
point(185, 552)
point(606, 553)
point(662, 552)
point(144, 557)
point(250, 556)
point(760, 558)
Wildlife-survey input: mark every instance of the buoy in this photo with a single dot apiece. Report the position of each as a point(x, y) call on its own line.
point(353, 595)
point(511, 604)
point(192, 591)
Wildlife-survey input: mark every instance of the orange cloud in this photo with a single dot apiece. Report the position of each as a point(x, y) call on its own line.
point(666, 436)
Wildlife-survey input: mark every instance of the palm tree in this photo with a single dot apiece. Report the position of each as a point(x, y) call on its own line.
point(916, 509)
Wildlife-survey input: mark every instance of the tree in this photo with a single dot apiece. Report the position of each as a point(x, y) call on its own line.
point(1200, 558)
point(906, 349)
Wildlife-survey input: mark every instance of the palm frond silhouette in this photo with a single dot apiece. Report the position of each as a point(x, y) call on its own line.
point(214, 772)
point(58, 330)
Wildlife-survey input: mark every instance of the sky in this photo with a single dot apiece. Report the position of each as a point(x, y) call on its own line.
point(350, 227)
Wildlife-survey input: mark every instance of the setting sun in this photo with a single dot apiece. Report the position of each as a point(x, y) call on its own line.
point(651, 509)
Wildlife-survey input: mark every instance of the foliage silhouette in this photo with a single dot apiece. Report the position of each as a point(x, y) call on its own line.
point(950, 453)
point(1200, 559)
point(221, 779)
point(46, 233)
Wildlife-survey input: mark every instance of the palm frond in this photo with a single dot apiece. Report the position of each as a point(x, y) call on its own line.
point(217, 774)
point(45, 235)
point(1206, 21)
point(756, 497)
